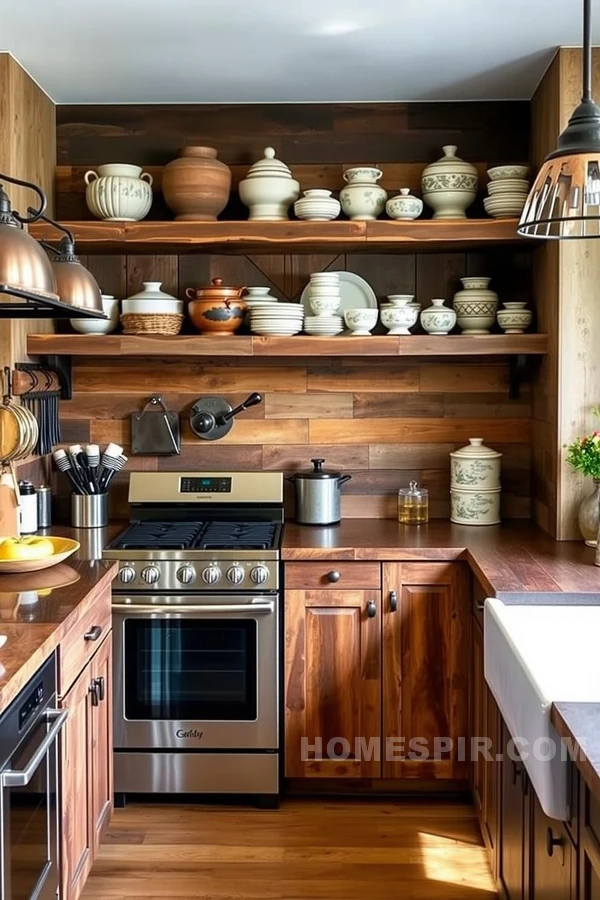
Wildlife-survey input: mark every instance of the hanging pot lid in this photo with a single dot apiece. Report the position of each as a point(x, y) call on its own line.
point(317, 472)
point(476, 448)
point(269, 167)
point(215, 291)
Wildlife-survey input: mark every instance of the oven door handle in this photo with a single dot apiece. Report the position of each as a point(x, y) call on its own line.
point(22, 777)
point(262, 609)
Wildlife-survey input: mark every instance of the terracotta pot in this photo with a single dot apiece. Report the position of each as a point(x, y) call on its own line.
point(196, 186)
point(217, 317)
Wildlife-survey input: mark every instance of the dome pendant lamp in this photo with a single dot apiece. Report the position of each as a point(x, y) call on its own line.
point(564, 201)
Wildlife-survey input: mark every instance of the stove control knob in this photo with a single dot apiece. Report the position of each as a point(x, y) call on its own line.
point(236, 574)
point(211, 575)
point(259, 574)
point(151, 574)
point(186, 574)
point(126, 574)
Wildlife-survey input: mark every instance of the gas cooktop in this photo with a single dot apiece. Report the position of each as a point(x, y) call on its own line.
point(211, 535)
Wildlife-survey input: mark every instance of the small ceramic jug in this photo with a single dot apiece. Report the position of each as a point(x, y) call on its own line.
point(118, 192)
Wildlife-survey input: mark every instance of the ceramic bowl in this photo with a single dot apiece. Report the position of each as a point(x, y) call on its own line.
point(326, 289)
point(404, 206)
point(514, 321)
point(362, 175)
point(140, 305)
point(217, 317)
point(508, 186)
point(324, 305)
point(398, 319)
point(475, 283)
point(500, 172)
point(257, 293)
point(110, 306)
point(401, 299)
point(361, 321)
point(325, 277)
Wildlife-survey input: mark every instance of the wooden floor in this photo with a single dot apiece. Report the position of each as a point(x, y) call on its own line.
point(308, 850)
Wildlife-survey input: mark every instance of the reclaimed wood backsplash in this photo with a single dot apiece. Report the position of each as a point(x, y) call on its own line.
point(384, 421)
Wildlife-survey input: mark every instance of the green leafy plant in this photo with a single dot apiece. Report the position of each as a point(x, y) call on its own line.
point(584, 453)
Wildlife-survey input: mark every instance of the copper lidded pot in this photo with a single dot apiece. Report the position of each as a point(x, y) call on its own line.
point(217, 308)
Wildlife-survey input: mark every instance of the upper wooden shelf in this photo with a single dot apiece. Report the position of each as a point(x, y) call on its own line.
point(285, 237)
point(300, 345)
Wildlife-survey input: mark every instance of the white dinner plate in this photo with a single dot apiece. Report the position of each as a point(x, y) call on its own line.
point(355, 293)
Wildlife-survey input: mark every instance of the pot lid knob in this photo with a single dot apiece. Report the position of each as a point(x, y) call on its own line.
point(318, 464)
point(218, 282)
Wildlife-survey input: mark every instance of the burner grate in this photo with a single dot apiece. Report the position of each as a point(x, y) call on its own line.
point(221, 535)
point(237, 536)
point(159, 536)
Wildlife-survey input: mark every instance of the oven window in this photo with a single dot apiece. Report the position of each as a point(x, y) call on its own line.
point(31, 809)
point(190, 669)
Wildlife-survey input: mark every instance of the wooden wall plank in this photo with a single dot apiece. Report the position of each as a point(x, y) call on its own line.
point(382, 431)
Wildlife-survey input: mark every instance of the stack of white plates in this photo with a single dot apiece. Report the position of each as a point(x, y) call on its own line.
point(324, 325)
point(277, 319)
point(508, 189)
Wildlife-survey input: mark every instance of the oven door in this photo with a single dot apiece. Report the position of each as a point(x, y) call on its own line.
point(196, 672)
point(29, 814)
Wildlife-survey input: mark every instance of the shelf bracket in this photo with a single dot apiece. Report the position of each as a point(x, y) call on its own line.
point(62, 365)
point(521, 368)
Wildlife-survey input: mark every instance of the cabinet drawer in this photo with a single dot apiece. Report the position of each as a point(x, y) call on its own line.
point(340, 575)
point(82, 641)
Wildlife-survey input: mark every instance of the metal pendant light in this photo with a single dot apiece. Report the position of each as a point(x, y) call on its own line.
point(564, 201)
point(76, 285)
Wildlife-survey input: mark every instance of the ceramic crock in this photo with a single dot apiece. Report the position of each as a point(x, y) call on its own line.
point(196, 186)
point(118, 192)
point(363, 199)
point(216, 309)
point(475, 507)
point(475, 467)
point(269, 189)
point(449, 185)
point(404, 206)
point(438, 318)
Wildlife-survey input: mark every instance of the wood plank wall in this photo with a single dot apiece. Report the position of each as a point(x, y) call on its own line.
point(385, 422)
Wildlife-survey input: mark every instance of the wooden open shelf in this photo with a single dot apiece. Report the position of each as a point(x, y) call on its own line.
point(299, 345)
point(285, 237)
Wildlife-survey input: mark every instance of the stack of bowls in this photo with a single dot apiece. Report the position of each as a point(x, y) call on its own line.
point(317, 205)
point(277, 319)
point(508, 189)
point(324, 297)
point(254, 297)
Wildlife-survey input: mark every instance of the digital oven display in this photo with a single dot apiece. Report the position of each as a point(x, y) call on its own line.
point(205, 486)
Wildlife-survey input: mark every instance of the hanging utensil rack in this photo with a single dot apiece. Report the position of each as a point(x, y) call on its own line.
point(40, 390)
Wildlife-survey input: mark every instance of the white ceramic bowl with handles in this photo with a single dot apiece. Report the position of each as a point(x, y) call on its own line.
point(118, 192)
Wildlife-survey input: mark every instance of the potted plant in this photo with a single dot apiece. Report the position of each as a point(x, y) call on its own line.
point(584, 456)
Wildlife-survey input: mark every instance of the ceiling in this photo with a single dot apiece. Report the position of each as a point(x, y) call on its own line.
point(245, 51)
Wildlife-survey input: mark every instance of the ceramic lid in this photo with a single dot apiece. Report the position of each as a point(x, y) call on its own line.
point(404, 194)
point(476, 448)
point(450, 162)
point(215, 291)
point(269, 167)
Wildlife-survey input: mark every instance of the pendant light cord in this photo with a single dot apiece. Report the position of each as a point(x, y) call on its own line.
point(587, 50)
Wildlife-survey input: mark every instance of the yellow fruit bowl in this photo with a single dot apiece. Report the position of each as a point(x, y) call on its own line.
point(62, 549)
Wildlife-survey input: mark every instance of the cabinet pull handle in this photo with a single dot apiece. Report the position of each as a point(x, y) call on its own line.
point(93, 634)
point(552, 842)
point(334, 576)
point(371, 609)
point(393, 601)
point(517, 771)
point(94, 693)
point(99, 682)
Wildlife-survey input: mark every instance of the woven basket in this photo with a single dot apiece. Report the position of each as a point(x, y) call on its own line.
point(151, 323)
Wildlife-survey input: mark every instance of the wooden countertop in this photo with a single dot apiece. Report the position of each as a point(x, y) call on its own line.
point(513, 557)
point(38, 609)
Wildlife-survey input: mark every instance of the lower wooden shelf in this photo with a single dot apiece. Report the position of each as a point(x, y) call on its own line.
point(299, 345)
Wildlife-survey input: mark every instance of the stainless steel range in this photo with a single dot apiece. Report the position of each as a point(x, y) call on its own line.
point(196, 611)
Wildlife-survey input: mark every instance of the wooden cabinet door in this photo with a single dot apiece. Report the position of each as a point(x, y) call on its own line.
point(491, 774)
point(478, 720)
point(332, 683)
point(512, 861)
point(589, 844)
point(426, 623)
point(102, 744)
point(553, 858)
point(77, 781)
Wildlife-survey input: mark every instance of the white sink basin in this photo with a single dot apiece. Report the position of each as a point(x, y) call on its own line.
point(535, 656)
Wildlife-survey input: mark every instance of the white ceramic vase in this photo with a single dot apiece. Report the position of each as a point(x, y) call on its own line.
point(404, 206)
point(118, 192)
point(449, 185)
point(475, 306)
point(363, 199)
point(438, 319)
point(514, 318)
point(269, 189)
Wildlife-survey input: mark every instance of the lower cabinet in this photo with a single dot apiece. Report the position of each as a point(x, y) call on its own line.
point(513, 859)
point(86, 768)
point(553, 860)
point(485, 746)
point(589, 845)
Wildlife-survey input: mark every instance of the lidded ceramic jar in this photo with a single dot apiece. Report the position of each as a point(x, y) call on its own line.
point(438, 318)
point(404, 206)
point(449, 185)
point(196, 185)
point(475, 484)
point(363, 199)
point(118, 192)
point(216, 309)
point(269, 189)
point(317, 205)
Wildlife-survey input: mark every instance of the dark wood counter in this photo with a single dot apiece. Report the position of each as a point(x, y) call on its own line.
point(36, 612)
point(513, 557)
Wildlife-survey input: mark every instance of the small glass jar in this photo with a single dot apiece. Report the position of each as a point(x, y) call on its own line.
point(413, 505)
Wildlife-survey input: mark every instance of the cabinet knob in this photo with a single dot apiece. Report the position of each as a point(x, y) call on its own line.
point(94, 693)
point(334, 576)
point(393, 601)
point(93, 634)
point(552, 842)
point(99, 682)
point(371, 609)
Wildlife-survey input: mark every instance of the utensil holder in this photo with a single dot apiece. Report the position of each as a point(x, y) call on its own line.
point(89, 510)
